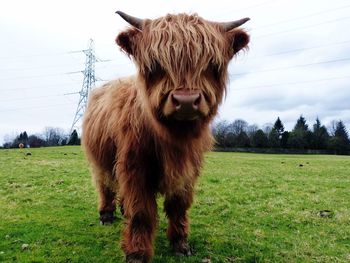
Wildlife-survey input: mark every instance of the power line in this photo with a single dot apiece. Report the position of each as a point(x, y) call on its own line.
point(280, 84)
point(251, 87)
point(294, 66)
point(303, 17)
point(303, 27)
point(40, 76)
point(247, 8)
point(44, 54)
point(269, 54)
point(293, 83)
point(235, 74)
point(32, 98)
point(299, 49)
point(121, 65)
point(39, 107)
point(53, 66)
point(271, 85)
point(39, 67)
point(39, 87)
point(71, 93)
point(56, 74)
point(259, 56)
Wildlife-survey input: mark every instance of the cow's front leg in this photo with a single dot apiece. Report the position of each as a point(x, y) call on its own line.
point(140, 210)
point(176, 207)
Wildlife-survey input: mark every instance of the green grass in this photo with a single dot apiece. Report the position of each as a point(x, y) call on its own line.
point(248, 208)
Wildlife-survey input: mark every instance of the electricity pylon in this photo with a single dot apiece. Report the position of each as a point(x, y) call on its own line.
point(88, 83)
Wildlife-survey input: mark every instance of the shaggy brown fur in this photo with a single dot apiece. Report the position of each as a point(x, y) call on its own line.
point(134, 144)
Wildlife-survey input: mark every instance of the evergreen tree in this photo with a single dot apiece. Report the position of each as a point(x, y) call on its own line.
point(21, 138)
point(74, 138)
point(320, 136)
point(278, 126)
point(341, 132)
point(284, 139)
point(300, 137)
point(25, 138)
point(301, 124)
point(340, 142)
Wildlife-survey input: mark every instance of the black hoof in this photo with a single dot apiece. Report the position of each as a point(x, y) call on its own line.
point(182, 248)
point(135, 258)
point(107, 217)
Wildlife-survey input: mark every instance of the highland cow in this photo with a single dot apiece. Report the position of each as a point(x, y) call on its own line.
point(147, 134)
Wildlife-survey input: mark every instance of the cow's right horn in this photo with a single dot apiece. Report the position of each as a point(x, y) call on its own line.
point(233, 24)
point(134, 21)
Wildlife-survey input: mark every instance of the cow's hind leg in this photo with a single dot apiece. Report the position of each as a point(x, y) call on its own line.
point(106, 188)
point(176, 207)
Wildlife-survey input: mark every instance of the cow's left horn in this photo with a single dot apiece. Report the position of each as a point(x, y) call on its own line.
point(233, 24)
point(134, 21)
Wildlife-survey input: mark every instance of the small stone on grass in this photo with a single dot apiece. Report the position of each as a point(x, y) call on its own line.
point(25, 246)
point(326, 213)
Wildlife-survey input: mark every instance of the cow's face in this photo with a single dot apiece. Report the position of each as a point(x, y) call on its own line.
point(182, 60)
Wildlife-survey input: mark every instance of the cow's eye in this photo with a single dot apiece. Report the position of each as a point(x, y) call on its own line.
point(213, 71)
point(155, 74)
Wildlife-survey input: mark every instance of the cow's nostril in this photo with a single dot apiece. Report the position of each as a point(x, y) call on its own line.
point(175, 101)
point(197, 101)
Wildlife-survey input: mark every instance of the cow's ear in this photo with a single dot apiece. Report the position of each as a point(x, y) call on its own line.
point(240, 40)
point(126, 40)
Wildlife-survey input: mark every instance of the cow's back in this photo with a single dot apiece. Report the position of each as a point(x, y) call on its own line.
point(106, 111)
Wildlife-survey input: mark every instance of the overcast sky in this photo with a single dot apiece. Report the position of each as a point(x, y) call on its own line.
point(298, 61)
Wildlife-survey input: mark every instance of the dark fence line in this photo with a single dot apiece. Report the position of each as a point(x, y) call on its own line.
point(278, 150)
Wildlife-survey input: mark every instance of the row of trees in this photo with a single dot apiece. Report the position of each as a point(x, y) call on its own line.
point(240, 134)
point(237, 134)
point(50, 137)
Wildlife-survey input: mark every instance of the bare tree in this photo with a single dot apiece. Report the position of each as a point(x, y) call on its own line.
point(238, 126)
point(54, 136)
point(251, 130)
point(267, 127)
point(332, 127)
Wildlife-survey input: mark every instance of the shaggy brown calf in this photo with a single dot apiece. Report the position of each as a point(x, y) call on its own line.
point(146, 134)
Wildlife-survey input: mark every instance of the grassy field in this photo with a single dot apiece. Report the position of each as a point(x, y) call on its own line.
point(248, 208)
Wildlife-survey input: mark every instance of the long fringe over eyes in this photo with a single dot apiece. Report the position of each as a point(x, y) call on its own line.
point(182, 45)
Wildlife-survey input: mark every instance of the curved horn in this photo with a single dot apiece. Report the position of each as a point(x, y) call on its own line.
point(233, 24)
point(134, 21)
